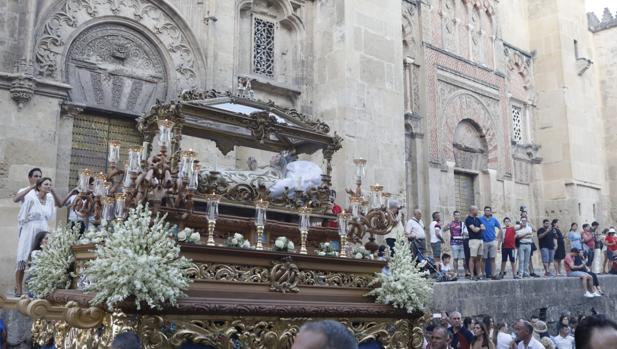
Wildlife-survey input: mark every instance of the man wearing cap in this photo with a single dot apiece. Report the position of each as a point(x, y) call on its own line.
point(394, 206)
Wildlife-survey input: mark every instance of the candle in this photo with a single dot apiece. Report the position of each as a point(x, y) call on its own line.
point(194, 177)
point(144, 150)
point(260, 212)
point(119, 209)
point(213, 206)
point(135, 159)
point(99, 184)
point(127, 177)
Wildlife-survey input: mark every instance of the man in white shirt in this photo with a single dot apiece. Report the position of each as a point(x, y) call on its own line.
point(414, 230)
point(435, 233)
point(524, 234)
point(563, 340)
point(524, 332)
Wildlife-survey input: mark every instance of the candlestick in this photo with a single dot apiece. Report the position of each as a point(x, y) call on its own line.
point(260, 221)
point(343, 218)
point(303, 225)
point(212, 201)
point(119, 209)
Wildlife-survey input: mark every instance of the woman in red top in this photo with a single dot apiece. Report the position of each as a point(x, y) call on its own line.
point(508, 245)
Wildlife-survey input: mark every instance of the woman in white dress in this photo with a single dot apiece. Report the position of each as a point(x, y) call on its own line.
point(33, 218)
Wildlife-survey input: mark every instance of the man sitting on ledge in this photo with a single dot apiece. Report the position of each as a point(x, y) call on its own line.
point(574, 269)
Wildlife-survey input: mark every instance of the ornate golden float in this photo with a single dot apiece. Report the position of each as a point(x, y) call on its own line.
point(239, 298)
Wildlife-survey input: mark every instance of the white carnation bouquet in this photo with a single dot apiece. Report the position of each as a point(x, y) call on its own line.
point(188, 236)
point(49, 268)
point(360, 252)
point(237, 240)
point(94, 235)
point(402, 284)
point(326, 249)
point(139, 259)
point(282, 243)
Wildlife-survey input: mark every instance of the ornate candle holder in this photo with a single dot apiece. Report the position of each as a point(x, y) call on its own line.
point(108, 208)
point(356, 206)
point(343, 218)
point(303, 225)
point(360, 172)
point(213, 201)
point(134, 160)
point(99, 184)
point(261, 207)
point(187, 158)
point(194, 178)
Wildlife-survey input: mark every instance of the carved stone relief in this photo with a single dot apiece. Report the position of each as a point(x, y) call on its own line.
point(449, 26)
point(65, 18)
point(113, 67)
point(458, 104)
point(470, 150)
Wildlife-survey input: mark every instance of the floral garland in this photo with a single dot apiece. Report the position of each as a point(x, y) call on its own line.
point(283, 244)
point(138, 259)
point(49, 269)
point(237, 240)
point(402, 283)
point(326, 249)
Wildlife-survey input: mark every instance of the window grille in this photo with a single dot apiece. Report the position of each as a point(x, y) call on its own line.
point(263, 47)
point(517, 125)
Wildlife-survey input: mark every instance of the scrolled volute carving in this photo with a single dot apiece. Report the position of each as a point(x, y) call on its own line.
point(284, 276)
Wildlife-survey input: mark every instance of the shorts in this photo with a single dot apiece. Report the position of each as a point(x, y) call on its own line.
point(507, 253)
point(548, 255)
point(476, 247)
point(490, 249)
point(458, 251)
point(436, 247)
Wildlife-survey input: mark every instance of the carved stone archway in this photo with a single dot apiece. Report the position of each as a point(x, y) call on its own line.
point(469, 146)
point(112, 66)
point(460, 106)
point(67, 18)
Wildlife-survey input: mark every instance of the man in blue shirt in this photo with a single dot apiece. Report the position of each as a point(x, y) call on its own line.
point(490, 241)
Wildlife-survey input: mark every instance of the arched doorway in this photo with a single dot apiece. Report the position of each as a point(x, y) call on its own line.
point(113, 67)
point(470, 156)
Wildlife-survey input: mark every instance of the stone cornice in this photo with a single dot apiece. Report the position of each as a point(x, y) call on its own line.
point(43, 87)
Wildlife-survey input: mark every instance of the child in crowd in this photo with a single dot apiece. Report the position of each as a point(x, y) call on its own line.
point(445, 272)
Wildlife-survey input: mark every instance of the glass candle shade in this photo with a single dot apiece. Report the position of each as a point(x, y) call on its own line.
point(114, 152)
point(99, 184)
point(107, 186)
point(108, 208)
point(165, 127)
point(144, 151)
point(386, 199)
point(376, 197)
point(213, 201)
point(305, 218)
point(120, 205)
point(126, 182)
point(134, 159)
point(194, 178)
point(261, 207)
point(84, 180)
point(342, 219)
point(356, 203)
point(186, 163)
point(360, 168)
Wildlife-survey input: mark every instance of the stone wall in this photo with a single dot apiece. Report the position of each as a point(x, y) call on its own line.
point(510, 300)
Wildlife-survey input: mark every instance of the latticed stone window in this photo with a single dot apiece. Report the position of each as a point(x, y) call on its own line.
point(263, 47)
point(517, 124)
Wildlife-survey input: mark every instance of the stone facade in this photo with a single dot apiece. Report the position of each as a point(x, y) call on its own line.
point(451, 101)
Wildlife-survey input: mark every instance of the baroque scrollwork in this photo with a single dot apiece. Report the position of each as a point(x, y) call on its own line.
point(284, 276)
point(230, 272)
point(67, 15)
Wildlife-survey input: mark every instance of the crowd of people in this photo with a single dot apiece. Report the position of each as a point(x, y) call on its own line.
point(585, 332)
point(474, 241)
point(452, 331)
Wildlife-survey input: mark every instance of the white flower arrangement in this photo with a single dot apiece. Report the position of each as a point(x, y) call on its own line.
point(237, 240)
point(49, 268)
point(325, 249)
point(283, 244)
point(188, 236)
point(360, 252)
point(139, 259)
point(94, 235)
point(402, 283)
